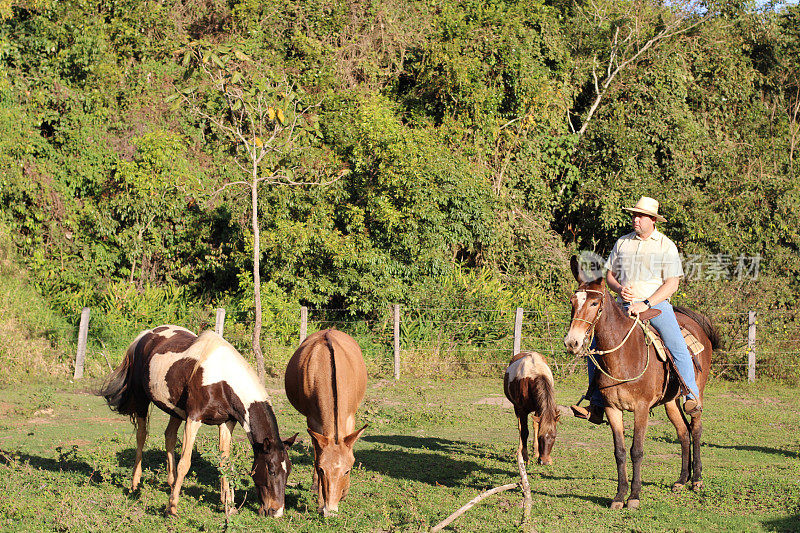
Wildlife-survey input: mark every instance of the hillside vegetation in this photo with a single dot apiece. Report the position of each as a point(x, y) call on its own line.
point(406, 145)
point(33, 338)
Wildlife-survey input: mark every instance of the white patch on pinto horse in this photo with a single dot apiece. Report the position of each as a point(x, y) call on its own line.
point(221, 362)
point(160, 365)
point(529, 366)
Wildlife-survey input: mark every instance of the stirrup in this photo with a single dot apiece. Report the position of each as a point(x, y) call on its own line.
point(692, 407)
point(594, 413)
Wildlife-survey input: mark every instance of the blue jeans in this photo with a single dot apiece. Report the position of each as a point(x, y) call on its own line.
point(667, 325)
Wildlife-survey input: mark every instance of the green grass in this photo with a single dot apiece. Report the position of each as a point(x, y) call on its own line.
point(431, 446)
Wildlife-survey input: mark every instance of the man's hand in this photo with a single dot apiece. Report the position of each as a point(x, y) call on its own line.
point(636, 308)
point(627, 294)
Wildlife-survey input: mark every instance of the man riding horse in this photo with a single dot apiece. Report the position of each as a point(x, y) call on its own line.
point(644, 268)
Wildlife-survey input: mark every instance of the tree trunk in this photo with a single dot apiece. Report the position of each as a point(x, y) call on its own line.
point(256, 277)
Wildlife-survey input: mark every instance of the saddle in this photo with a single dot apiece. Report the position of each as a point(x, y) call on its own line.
point(695, 347)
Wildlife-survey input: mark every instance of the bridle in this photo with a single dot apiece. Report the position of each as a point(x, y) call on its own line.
point(590, 331)
point(591, 353)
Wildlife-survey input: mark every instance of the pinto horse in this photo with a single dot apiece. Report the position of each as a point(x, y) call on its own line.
point(631, 378)
point(528, 385)
point(325, 380)
point(200, 380)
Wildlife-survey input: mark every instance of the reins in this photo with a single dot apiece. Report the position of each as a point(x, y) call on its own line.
point(591, 353)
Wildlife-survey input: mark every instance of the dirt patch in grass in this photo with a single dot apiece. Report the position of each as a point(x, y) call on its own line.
point(106, 420)
point(492, 400)
point(75, 442)
point(7, 408)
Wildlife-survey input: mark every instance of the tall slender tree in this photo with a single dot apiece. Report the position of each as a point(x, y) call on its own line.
point(265, 118)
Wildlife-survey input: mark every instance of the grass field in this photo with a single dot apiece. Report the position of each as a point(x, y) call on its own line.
point(431, 446)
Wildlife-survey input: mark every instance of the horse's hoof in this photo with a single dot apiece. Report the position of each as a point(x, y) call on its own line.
point(697, 485)
point(616, 505)
point(678, 487)
point(632, 504)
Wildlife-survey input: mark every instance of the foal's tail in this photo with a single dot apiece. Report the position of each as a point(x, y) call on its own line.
point(119, 389)
point(704, 322)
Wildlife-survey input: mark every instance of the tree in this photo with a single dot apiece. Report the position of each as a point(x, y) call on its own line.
point(265, 122)
point(633, 27)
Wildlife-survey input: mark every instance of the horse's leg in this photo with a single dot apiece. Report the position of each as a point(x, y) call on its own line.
point(314, 476)
point(141, 436)
point(522, 425)
point(225, 491)
point(676, 417)
point(697, 465)
point(615, 421)
point(189, 434)
point(640, 416)
point(536, 450)
point(170, 438)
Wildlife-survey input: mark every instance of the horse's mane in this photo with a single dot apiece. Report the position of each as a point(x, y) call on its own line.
point(705, 323)
point(335, 388)
point(546, 399)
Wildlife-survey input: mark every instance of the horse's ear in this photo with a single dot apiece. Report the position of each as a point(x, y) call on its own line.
point(288, 442)
point(320, 441)
point(353, 437)
point(576, 268)
point(591, 270)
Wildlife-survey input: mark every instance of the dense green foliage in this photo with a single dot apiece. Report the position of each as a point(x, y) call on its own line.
point(453, 129)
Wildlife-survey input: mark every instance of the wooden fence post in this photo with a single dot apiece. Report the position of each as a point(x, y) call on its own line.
point(396, 309)
point(219, 323)
point(517, 331)
point(83, 334)
point(751, 347)
point(303, 322)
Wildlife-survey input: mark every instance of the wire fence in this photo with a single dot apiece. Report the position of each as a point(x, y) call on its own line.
point(481, 341)
point(436, 341)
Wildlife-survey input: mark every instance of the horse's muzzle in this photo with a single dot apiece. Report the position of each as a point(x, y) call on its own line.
point(275, 513)
point(572, 344)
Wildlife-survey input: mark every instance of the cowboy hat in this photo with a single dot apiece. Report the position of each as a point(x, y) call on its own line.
point(647, 206)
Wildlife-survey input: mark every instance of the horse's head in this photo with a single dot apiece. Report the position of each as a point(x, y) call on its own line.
point(587, 306)
point(271, 467)
point(333, 461)
point(547, 437)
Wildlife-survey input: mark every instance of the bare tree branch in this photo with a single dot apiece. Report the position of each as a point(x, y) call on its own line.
point(617, 63)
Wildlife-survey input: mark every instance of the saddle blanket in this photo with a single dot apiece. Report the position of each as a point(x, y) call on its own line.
point(694, 345)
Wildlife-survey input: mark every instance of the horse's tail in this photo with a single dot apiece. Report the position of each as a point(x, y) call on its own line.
point(705, 323)
point(118, 389)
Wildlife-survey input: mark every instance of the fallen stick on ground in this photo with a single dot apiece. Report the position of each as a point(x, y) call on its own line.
point(444, 523)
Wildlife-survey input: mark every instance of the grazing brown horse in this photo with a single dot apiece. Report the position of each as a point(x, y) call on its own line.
point(631, 378)
point(528, 384)
point(325, 380)
point(202, 380)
